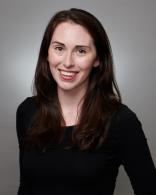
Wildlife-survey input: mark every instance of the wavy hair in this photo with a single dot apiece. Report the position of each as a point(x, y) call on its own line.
point(100, 102)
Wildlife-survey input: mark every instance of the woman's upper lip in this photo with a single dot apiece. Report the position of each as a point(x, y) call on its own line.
point(74, 71)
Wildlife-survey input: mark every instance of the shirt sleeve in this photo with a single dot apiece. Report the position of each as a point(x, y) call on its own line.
point(24, 187)
point(135, 155)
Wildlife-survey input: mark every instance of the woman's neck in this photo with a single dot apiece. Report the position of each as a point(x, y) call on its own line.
point(71, 103)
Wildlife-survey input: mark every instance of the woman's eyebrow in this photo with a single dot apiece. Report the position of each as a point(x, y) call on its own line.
point(77, 46)
point(57, 42)
point(82, 46)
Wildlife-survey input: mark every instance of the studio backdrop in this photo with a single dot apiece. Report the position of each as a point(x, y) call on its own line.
point(131, 27)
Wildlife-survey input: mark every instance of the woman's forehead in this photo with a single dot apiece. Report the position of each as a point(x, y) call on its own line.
point(72, 32)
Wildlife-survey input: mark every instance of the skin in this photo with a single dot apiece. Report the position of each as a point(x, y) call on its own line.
point(71, 57)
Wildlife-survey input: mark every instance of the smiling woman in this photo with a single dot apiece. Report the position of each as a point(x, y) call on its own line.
point(71, 56)
point(75, 126)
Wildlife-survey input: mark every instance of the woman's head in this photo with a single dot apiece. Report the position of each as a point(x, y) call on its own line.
point(72, 56)
point(102, 76)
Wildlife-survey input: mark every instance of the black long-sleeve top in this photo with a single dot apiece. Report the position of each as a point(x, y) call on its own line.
point(73, 172)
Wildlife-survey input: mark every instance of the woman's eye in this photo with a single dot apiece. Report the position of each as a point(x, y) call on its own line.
point(82, 52)
point(59, 49)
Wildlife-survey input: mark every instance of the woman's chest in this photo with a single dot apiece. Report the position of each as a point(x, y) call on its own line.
point(83, 167)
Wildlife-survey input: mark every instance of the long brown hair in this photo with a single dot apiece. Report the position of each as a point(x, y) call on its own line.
point(100, 101)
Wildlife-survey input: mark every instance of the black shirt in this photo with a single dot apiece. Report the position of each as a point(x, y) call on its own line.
point(73, 172)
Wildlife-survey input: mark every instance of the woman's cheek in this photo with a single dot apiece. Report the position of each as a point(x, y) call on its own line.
point(86, 63)
point(54, 60)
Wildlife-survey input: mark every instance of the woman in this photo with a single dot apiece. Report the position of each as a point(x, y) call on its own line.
point(74, 133)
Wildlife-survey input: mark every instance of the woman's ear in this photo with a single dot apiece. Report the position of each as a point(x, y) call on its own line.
point(96, 63)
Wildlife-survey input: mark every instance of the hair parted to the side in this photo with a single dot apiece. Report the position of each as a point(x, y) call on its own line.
point(101, 100)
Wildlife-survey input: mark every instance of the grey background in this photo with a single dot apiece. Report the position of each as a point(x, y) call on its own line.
point(131, 27)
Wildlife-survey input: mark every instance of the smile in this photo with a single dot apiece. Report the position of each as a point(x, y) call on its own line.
point(68, 75)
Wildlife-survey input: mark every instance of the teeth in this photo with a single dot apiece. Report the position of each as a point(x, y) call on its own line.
point(67, 73)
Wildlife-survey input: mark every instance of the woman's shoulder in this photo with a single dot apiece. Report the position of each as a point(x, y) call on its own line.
point(28, 104)
point(26, 110)
point(24, 115)
point(127, 123)
point(125, 113)
point(28, 101)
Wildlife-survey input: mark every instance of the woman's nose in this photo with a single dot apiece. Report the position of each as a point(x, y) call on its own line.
point(68, 60)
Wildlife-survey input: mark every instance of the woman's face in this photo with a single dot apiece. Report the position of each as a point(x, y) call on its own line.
point(71, 56)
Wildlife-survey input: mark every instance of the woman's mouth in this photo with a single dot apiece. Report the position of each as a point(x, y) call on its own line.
point(68, 75)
